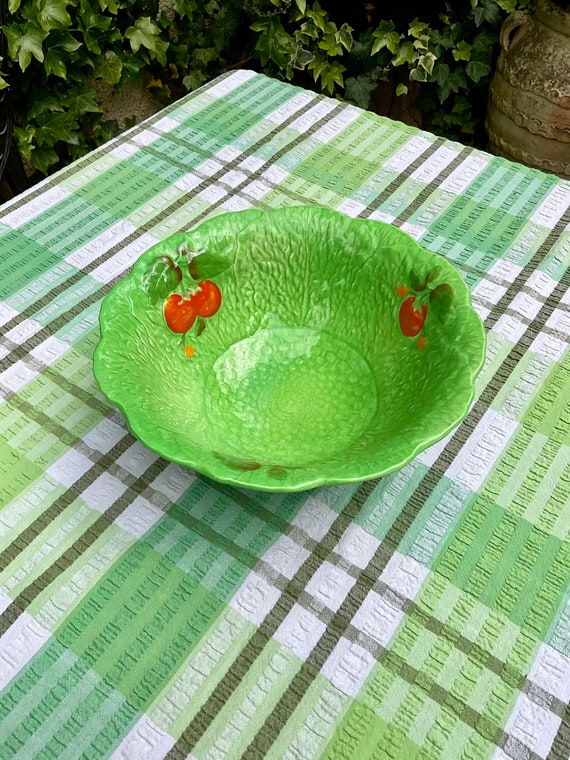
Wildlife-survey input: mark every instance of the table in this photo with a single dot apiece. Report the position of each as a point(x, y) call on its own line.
point(147, 612)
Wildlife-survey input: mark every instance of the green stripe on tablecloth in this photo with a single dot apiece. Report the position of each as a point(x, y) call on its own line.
point(257, 642)
point(25, 260)
point(56, 537)
point(526, 583)
point(550, 412)
point(78, 548)
point(65, 592)
point(59, 706)
point(262, 686)
point(363, 735)
point(314, 722)
point(122, 624)
point(200, 672)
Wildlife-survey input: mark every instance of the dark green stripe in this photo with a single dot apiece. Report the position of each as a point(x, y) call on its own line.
point(560, 749)
point(399, 180)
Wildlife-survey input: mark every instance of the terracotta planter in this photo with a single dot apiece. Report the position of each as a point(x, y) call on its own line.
point(528, 117)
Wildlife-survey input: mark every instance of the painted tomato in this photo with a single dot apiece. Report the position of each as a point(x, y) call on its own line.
point(411, 319)
point(180, 313)
point(207, 299)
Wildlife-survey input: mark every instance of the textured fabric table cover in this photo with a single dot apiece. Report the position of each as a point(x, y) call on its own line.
point(147, 612)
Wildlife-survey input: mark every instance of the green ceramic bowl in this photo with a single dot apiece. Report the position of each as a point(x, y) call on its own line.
point(283, 350)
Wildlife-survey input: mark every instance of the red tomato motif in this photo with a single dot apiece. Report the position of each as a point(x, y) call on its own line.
point(207, 299)
point(411, 319)
point(179, 313)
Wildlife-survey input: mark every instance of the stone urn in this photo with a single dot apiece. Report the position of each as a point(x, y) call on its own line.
point(528, 116)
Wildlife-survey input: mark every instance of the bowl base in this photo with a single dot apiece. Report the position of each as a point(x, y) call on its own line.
point(289, 396)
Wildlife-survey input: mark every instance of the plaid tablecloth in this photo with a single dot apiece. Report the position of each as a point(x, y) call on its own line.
point(147, 612)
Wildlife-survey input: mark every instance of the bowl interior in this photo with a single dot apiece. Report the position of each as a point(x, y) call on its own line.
point(313, 368)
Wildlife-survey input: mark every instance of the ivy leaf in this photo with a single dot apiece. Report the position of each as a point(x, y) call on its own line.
point(359, 89)
point(344, 36)
point(25, 41)
point(301, 58)
point(405, 54)
point(83, 102)
point(440, 300)
point(401, 89)
point(63, 40)
point(43, 102)
point(53, 127)
point(108, 67)
point(463, 51)
point(43, 158)
point(162, 278)
point(205, 266)
point(185, 8)
point(418, 74)
point(53, 14)
point(332, 75)
point(389, 39)
point(476, 70)
point(330, 45)
point(193, 80)
point(426, 62)
point(53, 64)
point(301, 5)
point(13, 5)
point(143, 34)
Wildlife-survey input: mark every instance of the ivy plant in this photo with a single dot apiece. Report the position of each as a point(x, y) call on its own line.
point(57, 50)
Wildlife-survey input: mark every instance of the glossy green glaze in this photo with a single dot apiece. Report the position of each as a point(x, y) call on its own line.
point(319, 349)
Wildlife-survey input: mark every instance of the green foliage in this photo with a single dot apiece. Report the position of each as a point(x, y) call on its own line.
point(453, 59)
point(57, 51)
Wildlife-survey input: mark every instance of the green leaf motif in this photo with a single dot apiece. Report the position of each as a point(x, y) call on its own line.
point(433, 274)
point(205, 266)
point(440, 300)
point(162, 278)
point(417, 282)
point(245, 465)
